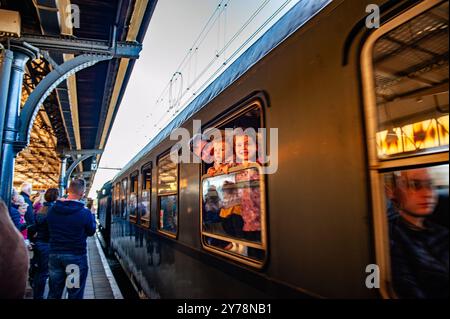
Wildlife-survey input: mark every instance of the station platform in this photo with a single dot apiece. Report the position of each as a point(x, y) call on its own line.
point(100, 282)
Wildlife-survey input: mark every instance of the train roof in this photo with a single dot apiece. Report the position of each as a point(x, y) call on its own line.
point(301, 13)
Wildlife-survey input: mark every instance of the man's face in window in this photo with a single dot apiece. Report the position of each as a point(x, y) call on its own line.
point(415, 192)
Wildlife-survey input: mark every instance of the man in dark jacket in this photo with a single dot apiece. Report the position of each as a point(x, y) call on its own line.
point(26, 190)
point(419, 247)
point(41, 245)
point(69, 224)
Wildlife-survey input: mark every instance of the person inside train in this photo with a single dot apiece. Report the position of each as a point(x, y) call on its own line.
point(212, 221)
point(230, 213)
point(212, 205)
point(222, 161)
point(202, 148)
point(246, 148)
point(69, 225)
point(168, 214)
point(132, 204)
point(419, 247)
point(13, 258)
point(249, 192)
point(143, 207)
point(246, 152)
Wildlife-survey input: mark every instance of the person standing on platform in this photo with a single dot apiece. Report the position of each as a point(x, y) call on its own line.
point(14, 212)
point(41, 245)
point(69, 224)
point(13, 258)
point(26, 189)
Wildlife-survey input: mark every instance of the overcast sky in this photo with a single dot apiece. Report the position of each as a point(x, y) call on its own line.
point(173, 29)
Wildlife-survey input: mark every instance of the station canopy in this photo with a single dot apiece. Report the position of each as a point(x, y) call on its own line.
point(79, 113)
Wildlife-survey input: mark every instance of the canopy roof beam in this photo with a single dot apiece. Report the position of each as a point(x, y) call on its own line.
point(84, 46)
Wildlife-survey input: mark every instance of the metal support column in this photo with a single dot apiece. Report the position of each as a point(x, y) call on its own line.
point(62, 175)
point(10, 130)
point(5, 74)
point(78, 161)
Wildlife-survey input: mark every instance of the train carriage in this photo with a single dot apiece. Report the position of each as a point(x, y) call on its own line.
point(354, 107)
point(104, 201)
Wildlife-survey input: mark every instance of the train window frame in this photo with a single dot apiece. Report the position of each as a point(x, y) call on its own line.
point(132, 177)
point(146, 167)
point(377, 166)
point(158, 196)
point(253, 103)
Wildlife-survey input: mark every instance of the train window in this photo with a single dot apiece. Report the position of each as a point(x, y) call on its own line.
point(113, 201)
point(233, 217)
point(410, 66)
point(232, 211)
point(145, 199)
point(168, 195)
point(250, 117)
point(117, 199)
point(123, 200)
point(132, 203)
point(405, 82)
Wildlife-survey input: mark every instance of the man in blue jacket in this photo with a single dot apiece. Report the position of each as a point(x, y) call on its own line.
point(69, 224)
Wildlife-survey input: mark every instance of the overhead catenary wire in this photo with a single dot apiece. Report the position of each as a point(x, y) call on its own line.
point(226, 60)
point(250, 38)
point(258, 10)
point(188, 57)
point(196, 79)
point(196, 44)
point(244, 44)
point(193, 56)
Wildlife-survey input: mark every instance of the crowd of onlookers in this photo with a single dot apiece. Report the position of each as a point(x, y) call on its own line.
point(53, 229)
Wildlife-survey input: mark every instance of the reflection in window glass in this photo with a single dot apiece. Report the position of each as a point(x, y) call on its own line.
point(123, 200)
point(167, 176)
point(231, 212)
point(103, 202)
point(132, 206)
point(417, 211)
point(132, 203)
point(411, 76)
point(116, 198)
point(144, 205)
point(167, 194)
point(168, 213)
